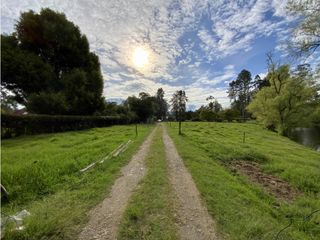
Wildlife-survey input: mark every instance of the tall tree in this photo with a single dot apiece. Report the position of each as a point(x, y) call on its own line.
point(287, 102)
point(47, 64)
point(259, 83)
point(178, 105)
point(162, 105)
point(239, 91)
point(306, 36)
point(143, 107)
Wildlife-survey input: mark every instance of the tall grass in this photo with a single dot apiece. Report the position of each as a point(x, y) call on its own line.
point(42, 175)
point(242, 208)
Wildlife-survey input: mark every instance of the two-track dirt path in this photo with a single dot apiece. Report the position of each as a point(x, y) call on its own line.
point(105, 218)
point(193, 219)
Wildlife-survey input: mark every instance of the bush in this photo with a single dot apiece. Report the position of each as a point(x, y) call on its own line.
point(13, 125)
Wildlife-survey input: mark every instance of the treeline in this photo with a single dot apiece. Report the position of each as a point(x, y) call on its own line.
point(283, 100)
point(16, 125)
point(144, 108)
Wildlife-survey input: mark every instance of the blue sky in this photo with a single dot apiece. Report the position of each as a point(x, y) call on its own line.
point(198, 46)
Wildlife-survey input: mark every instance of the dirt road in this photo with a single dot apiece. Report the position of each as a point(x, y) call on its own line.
point(193, 219)
point(105, 218)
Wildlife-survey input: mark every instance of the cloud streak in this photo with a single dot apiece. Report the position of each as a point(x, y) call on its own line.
point(190, 42)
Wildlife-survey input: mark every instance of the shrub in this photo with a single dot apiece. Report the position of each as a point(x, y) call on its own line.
point(14, 125)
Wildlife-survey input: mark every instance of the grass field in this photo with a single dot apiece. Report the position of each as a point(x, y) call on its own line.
point(42, 175)
point(149, 214)
point(243, 209)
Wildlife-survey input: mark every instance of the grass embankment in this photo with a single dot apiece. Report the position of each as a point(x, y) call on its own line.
point(243, 209)
point(149, 214)
point(42, 175)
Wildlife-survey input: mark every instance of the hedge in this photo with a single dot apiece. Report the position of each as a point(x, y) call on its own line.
point(15, 125)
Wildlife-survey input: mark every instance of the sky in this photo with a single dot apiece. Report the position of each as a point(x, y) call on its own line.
point(197, 46)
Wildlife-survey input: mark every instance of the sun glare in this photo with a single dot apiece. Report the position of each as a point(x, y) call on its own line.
point(140, 57)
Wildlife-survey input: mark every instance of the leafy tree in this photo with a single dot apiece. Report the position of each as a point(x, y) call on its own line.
point(207, 114)
point(46, 62)
point(229, 114)
point(112, 109)
point(143, 107)
point(306, 37)
point(259, 83)
point(178, 105)
point(162, 105)
point(23, 72)
point(287, 102)
point(211, 111)
point(239, 91)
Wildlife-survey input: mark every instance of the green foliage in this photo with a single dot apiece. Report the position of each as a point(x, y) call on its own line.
point(23, 72)
point(178, 104)
point(162, 105)
point(239, 91)
point(286, 103)
point(42, 175)
point(242, 209)
point(15, 125)
point(143, 107)
point(306, 37)
point(48, 55)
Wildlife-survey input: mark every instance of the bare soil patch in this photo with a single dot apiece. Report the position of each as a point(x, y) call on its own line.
point(105, 218)
point(192, 217)
point(272, 184)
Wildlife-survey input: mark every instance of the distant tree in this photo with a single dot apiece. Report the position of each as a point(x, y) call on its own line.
point(287, 102)
point(207, 114)
point(114, 109)
point(192, 115)
point(306, 36)
point(47, 64)
point(162, 105)
point(178, 105)
point(143, 107)
point(240, 91)
point(229, 114)
point(211, 111)
point(259, 83)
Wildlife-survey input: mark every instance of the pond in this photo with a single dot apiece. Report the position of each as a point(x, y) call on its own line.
point(309, 137)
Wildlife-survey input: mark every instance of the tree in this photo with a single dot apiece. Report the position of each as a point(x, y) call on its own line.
point(259, 83)
point(162, 105)
point(143, 107)
point(47, 64)
point(286, 103)
point(211, 111)
point(239, 91)
point(178, 105)
point(306, 36)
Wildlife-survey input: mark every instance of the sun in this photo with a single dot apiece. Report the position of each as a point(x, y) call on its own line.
point(140, 57)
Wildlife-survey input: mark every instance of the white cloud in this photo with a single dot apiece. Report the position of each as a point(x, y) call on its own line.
point(114, 28)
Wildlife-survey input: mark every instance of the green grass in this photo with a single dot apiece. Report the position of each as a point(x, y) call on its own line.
point(42, 175)
point(242, 209)
point(150, 211)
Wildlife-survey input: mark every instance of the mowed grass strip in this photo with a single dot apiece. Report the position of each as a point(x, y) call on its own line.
point(243, 209)
point(149, 214)
point(42, 175)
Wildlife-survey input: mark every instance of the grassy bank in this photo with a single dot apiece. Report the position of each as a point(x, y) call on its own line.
point(149, 214)
point(243, 209)
point(42, 175)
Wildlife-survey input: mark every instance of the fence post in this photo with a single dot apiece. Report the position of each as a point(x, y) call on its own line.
point(136, 130)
